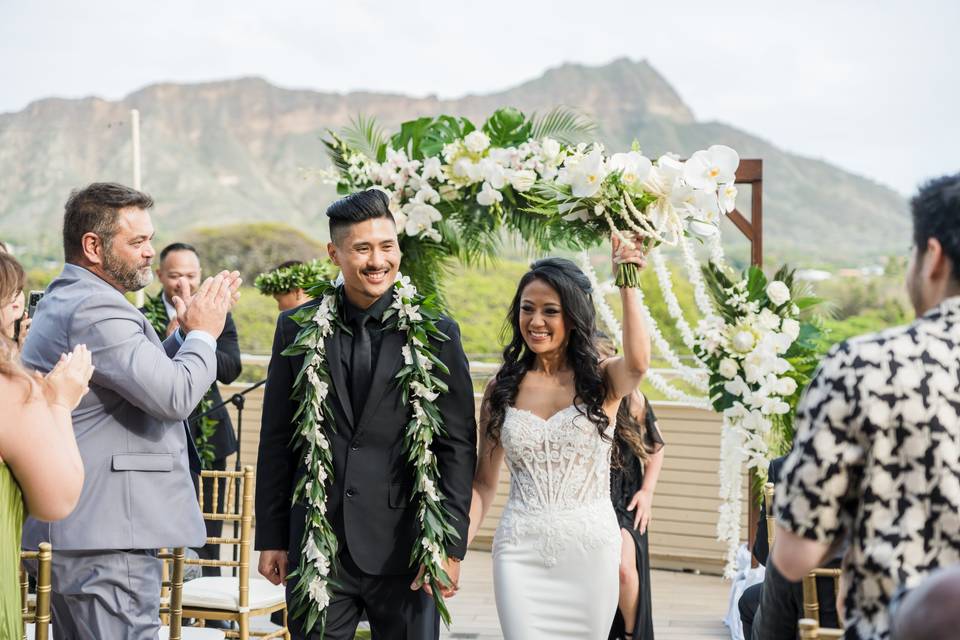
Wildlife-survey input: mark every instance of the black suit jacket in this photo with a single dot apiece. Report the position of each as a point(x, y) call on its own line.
point(368, 501)
point(224, 439)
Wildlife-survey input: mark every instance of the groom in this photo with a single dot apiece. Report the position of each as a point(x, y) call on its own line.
point(369, 497)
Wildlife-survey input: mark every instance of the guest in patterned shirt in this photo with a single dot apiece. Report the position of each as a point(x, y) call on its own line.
point(876, 460)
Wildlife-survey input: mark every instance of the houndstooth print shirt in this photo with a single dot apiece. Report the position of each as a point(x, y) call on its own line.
point(876, 461)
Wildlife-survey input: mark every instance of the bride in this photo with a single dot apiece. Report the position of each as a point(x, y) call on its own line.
point(549, 412)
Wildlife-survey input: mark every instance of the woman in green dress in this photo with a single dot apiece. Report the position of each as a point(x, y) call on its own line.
point(41, 472)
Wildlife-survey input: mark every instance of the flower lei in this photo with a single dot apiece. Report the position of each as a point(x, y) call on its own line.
point(416, 317)
point(296, 276)
point(156, 313)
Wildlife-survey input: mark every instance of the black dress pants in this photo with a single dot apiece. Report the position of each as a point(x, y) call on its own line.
point(395, 611)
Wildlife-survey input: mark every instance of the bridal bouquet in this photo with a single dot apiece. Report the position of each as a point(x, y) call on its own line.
point(760, 354)
point(454, 186)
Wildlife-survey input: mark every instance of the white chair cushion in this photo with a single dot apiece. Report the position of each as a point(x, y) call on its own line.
point(193, 633)
point(224, 593)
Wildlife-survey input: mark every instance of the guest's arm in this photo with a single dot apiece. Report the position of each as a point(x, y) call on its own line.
point(817, 496)
point(487, 476)
point(624, 373)
point(642, 500)
point(134, 367)
point(36, 438)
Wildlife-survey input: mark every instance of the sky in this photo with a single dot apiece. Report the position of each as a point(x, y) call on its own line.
point(870, 85)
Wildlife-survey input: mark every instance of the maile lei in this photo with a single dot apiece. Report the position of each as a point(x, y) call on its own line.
point(205, 427)
point(420, 384)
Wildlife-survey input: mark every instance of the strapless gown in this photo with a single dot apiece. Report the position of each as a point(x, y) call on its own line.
point(556, 552)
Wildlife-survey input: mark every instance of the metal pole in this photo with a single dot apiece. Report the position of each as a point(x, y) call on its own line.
point(135, 133)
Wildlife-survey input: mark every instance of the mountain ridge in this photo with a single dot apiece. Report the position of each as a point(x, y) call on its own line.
point(234, 150)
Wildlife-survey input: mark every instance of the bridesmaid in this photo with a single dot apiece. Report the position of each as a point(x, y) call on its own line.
point(637, 459)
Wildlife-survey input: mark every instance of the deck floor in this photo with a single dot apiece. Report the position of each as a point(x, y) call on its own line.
point(685, 606)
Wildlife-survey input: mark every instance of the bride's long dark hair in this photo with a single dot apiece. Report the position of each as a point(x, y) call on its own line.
point(576, 301)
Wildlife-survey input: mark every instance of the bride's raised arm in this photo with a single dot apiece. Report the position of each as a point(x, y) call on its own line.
point(623, 373)
point(487, 476)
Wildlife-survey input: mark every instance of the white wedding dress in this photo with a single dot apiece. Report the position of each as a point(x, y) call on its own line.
point(556, 552)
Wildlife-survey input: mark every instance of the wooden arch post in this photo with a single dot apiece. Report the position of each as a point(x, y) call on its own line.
point(751, 172)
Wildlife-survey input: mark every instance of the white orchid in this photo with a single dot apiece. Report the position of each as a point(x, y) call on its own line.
point(318, 593)
point(427, 195)
point(420, 218)
point(584, 173)
point(727, 197)
point(488, 195)
point(432, 169)
point(707, 169)
point(634, 168)
point(778, 292)
point(493, 172)
point(476, 142)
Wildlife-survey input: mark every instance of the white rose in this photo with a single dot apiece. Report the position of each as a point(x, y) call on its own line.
point(786, 386)
point(476, 141)
point(778, 292)
point(791, 328)
point(728, 368)
point(522, 180)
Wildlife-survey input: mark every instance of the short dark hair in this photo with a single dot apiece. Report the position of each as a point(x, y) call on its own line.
point(95, 209)
point(177, 246)
point(354, 208)
point(936, 214)
point(288, 263)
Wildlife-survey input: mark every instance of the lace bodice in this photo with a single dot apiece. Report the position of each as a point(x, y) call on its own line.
point(559, 482)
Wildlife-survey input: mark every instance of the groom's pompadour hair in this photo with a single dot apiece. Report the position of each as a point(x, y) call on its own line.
point(354, 208)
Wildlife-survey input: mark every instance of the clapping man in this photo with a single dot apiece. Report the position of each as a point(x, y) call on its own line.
point(138, 494)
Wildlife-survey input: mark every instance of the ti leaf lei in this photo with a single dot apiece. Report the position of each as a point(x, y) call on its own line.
point(205, 427)
point(419, 381)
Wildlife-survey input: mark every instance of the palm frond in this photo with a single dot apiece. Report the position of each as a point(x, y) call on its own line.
point(562, 124)
point(367, 137)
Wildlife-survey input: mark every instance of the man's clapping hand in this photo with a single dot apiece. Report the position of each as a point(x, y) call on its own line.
point(207, 309)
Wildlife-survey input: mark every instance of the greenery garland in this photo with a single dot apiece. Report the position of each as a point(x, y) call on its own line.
point(296, 276)
point(156, 312)
point(417, 317)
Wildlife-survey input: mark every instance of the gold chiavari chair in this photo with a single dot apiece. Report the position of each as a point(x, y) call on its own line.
point(36, 615)
point(811, 630)
point(811, 602)
point(171, 601)
point(236, 598)
point(768, 490)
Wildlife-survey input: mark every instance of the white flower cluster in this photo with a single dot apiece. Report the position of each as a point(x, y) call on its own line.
point(688, 195)
point(749, 355)
point(415, 187)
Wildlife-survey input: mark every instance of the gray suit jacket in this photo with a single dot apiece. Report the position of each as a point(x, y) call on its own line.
point(137, 492)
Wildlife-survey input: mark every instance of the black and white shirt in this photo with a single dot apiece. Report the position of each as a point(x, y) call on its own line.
point(876, 460)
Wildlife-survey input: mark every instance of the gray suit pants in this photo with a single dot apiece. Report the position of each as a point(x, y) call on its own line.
point(98, 595)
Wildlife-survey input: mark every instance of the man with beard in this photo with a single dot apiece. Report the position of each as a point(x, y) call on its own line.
point(137, 494)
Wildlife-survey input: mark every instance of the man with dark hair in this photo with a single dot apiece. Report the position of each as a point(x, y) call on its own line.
point(876, 460)
point(137, 493)
point(368, 502)
point(281, 283)
point(180, 275)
